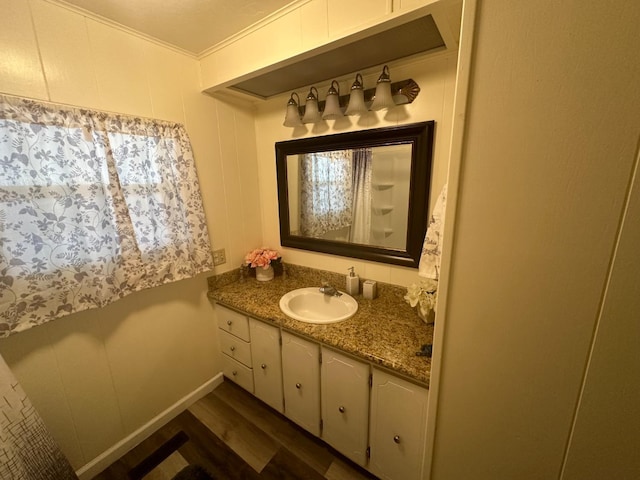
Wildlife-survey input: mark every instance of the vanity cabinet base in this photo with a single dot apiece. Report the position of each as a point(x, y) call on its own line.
point(369, 415)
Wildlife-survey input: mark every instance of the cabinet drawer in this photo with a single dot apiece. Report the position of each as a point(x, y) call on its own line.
point(238, 373)
point(233, 322)
point(236, 348)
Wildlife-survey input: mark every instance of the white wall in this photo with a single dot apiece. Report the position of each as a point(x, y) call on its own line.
point(552, 135)
point(435, 76)
point(97, 376)
point(605, 438)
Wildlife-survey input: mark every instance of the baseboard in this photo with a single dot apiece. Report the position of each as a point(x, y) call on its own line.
point(112, 454)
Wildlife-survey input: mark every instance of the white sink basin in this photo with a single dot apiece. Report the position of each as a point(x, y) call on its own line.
point(312, 306)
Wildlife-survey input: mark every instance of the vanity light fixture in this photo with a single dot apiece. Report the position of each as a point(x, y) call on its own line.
point(359, 101)
point(356, 98)
point(383, 99)
point(292, 117)
point(311, 111)
point(332, 102)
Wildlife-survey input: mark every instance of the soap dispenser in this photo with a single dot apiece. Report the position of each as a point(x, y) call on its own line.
point(353, 283)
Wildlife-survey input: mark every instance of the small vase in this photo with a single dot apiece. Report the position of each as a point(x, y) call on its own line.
point(264, 274)
point(429, 318)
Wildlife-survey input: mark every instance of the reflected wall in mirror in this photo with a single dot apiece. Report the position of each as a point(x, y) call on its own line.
point(359, 194)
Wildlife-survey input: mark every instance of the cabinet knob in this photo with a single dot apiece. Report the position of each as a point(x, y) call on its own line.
point(341, 409)
point(298, 386)
point(396, 439)
point(263, 366)
point(232, 348)
point(234, 373)
point(229, 322)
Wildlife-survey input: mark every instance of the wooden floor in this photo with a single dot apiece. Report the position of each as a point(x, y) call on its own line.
point(233, 436)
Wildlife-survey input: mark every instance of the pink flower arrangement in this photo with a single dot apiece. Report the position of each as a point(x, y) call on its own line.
point(261, 257)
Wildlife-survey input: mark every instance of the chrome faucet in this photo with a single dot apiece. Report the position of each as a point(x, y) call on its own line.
point(329, 290)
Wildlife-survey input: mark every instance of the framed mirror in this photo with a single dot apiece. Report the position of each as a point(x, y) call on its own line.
point(361, 194)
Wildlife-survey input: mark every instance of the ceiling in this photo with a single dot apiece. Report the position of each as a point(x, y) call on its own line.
point(191, 25)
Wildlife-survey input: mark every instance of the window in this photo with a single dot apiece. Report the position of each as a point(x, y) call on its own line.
point(93, 206)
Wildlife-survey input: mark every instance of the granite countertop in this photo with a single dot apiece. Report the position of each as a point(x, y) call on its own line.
point(385, 331)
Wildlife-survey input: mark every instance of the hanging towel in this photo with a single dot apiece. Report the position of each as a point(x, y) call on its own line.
point(432, 247)
point(27, 450)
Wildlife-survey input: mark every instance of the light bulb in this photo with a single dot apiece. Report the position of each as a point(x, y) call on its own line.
point(332, 102)
point(356, 98)
point(292, 117)
point(383, 99)
point(311, 112)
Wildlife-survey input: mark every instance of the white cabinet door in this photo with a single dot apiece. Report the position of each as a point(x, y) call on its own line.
point(301, 381)
point(267, 363)
point(345, 404)
point(398, 427)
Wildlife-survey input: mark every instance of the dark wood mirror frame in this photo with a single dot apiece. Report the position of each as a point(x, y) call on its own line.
point(420, 136)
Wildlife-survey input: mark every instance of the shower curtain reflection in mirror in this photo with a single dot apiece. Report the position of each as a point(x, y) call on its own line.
point(335, 195)
point(361, 206)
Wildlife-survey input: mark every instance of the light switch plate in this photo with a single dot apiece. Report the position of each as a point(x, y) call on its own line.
point(219, 257)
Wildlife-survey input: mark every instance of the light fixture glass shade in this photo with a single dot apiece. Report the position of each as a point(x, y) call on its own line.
point(332, 102)
point(383, 98)
point(311, 112)
point(356, 98)
point(292, 117)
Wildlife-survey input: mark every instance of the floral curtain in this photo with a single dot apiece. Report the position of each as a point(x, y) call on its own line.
point(93, 207)
point(325, 192)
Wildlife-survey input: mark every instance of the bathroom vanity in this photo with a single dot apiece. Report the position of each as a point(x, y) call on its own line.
point(357, 384)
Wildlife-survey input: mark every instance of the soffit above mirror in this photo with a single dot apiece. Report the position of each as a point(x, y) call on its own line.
point(415, 37)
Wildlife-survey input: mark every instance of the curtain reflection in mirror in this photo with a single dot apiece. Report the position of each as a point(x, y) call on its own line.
point(335, 195)
point(325, 192)
point(361, 226)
